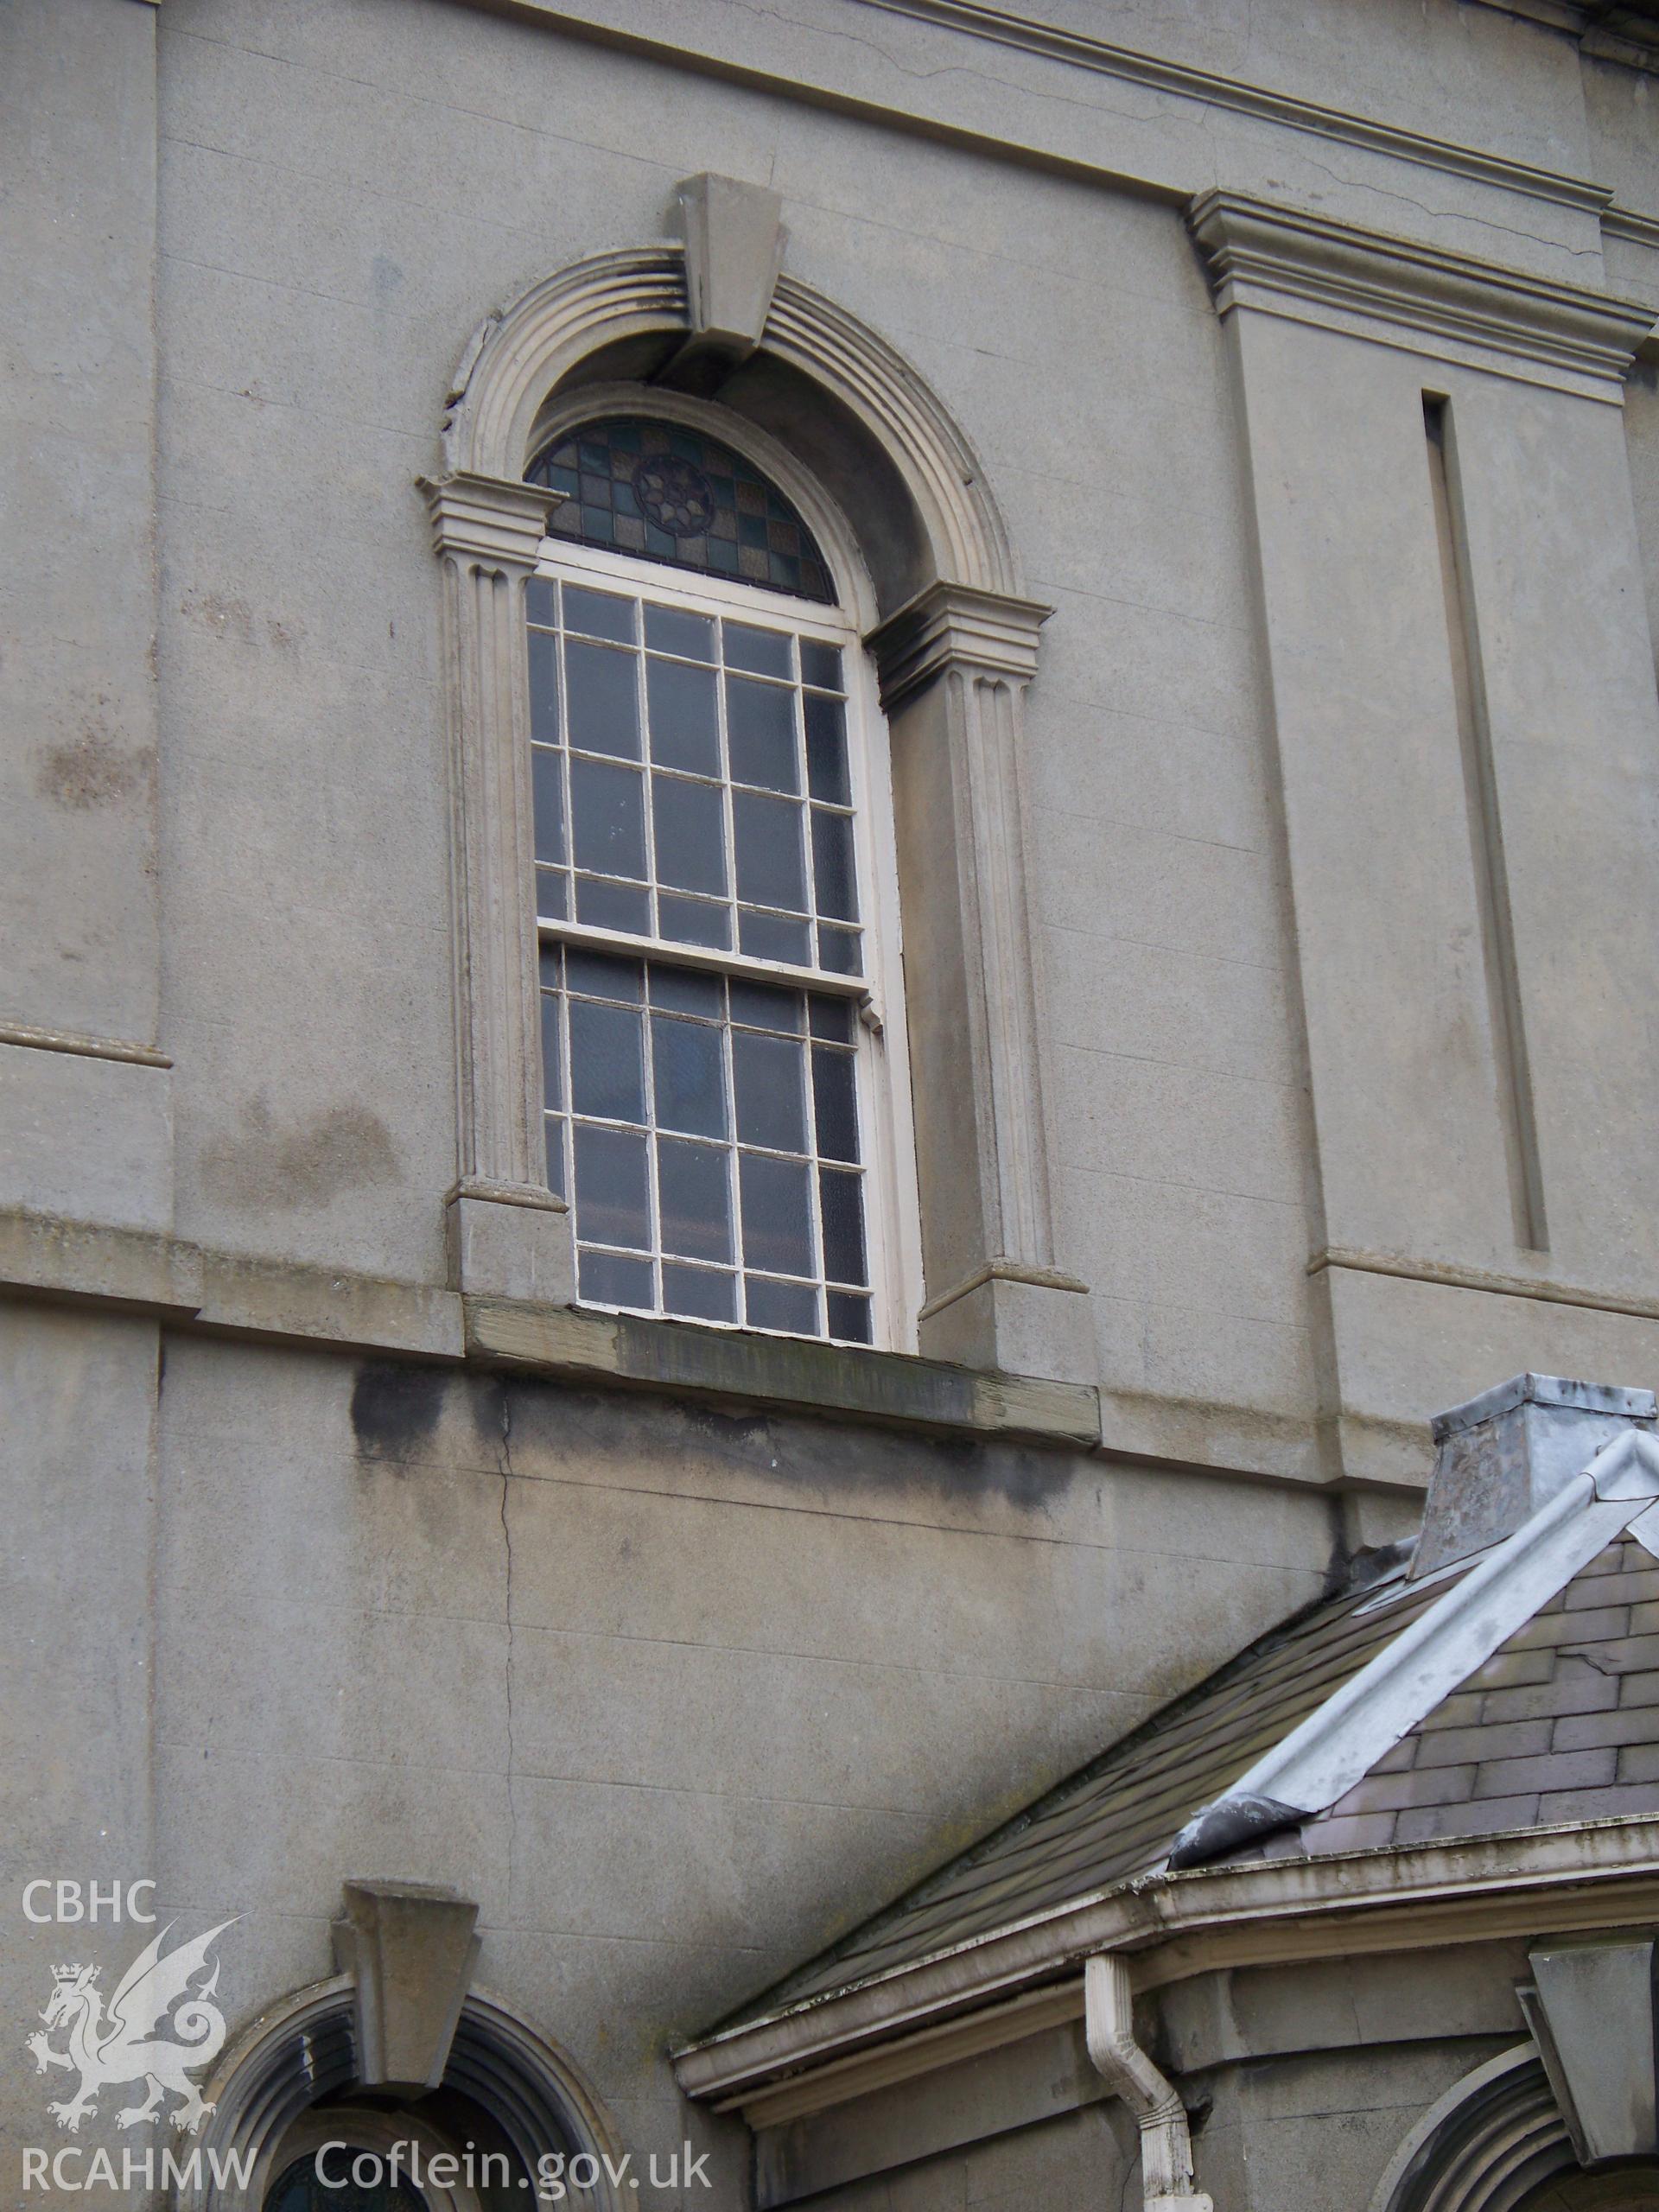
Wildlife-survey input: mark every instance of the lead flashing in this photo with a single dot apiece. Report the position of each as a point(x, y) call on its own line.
point(1341, 1741)
point(1545, 1390)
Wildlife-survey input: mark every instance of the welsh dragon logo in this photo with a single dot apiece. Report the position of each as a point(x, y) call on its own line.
point(123, 2045)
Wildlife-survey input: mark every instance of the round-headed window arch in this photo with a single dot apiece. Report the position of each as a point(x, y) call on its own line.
point(509, 2101)
point(933, 580)
point(1496, 2142)
point(725, 1077)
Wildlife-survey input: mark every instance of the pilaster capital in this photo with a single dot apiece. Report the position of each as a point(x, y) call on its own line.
point(957, 625)
point(1288, 262)
point(490, 520)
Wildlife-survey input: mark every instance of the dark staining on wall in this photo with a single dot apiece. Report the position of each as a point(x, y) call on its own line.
point(553, 1423)
point(396, 1408)
point(490, 1399)
point(92, 771)
point(260, 1165)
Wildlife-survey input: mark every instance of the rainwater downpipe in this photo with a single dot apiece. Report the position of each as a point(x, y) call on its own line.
point(1127, 2068)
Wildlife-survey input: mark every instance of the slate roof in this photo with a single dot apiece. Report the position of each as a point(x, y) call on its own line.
point(1560, 1724)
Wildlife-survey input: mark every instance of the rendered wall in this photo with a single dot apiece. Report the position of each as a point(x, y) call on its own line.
point(676, 1696)
point(339, 211)
point(333, 221)
point(678, 1693)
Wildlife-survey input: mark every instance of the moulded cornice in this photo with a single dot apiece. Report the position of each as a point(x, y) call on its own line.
point(33, 1038)
point(1489, 1918)
point(952, 626)
point(1620, 222)
point(489, 518)
point(1284, 260)
point(1080, 50)
point(1571, 1875)
point(1100, 57)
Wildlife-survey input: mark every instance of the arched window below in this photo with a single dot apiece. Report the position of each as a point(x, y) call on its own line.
point(715, 897)
point(298, 2189)
point(1622, 2189)
point(355, 2156)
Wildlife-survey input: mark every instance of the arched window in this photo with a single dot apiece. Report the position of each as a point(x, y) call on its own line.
point(291, 2126)
point(716, 892)
point(705, 531)
point(299, 2187)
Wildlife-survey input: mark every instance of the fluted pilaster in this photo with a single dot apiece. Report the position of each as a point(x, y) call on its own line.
point(955, 665)
point(509, 1233)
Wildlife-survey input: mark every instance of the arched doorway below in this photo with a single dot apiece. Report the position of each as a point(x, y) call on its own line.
point(1620, 2188)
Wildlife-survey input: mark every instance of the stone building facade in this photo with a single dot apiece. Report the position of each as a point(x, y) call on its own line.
point(830, 850)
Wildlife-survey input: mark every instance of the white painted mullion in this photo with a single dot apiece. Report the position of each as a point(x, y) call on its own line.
point(567, 1080)
point(653, 1190)
point(805, 810)
point(816, 1167)
point(561, 691)
point(648, 789)
point(728, 815)
point(733, 1181)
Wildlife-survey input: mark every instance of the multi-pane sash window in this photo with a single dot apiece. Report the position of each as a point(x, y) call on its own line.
point(711, 1125)
point(701, 766)
point(708, 969)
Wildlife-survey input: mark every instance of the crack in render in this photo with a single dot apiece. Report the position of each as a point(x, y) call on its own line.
point(506, 1539)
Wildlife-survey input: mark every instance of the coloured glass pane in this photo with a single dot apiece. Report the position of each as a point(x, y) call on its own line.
point(673, 495)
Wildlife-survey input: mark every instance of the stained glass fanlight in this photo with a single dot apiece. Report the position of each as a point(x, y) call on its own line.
point(664, 494)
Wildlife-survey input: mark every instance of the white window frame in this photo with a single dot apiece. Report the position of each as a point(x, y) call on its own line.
point(892, 1215)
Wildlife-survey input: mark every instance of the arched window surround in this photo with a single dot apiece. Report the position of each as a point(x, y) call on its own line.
point(1490, 2144)
point(955, 645)
point(300, 2055)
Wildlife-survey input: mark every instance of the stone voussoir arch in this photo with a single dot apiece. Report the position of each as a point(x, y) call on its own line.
point(1493, 2138)
point(518, 358)
point(302, 2053)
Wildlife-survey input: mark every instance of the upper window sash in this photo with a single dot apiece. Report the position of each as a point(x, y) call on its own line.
point(747, 605)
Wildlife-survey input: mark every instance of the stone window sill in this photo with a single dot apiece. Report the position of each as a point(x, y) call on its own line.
point(793, 1375)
